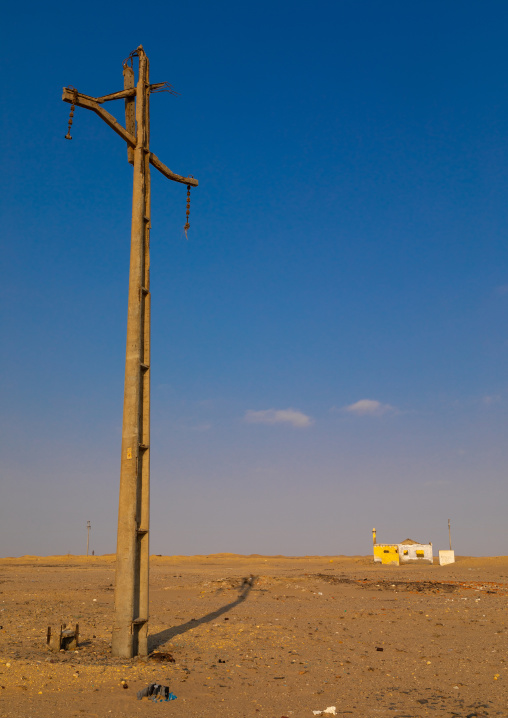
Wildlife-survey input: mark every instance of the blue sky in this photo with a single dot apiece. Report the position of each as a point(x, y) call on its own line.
point(329, 347)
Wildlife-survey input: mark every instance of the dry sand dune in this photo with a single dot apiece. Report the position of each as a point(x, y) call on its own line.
point(312, 632)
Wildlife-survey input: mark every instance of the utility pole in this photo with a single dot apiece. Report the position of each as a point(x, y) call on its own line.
point(130, 631)
point(449, 534)
point(88, 527)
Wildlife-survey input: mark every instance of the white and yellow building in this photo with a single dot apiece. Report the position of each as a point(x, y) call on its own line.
point(405, 552)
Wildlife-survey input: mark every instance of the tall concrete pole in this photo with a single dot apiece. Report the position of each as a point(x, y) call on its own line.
point(130, 631)
point(131, 589)
point(88, 527)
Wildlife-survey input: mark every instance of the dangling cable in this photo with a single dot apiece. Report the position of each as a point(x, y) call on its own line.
point(71, 115)
point(187, 213)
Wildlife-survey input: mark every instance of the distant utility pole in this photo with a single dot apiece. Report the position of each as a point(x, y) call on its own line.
point(88, 527)
point(130, 632)
point(449, 534)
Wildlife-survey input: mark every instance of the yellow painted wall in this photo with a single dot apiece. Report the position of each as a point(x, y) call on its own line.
point(386, 553)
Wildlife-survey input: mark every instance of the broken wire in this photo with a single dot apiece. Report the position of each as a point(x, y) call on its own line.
point(129, 60)
point(164, 87)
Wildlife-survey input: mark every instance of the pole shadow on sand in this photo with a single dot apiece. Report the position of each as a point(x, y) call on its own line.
point(158, 639)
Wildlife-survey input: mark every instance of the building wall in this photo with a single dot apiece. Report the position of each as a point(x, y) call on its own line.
point(386, 553)
point(446, 557)
point(415, 552)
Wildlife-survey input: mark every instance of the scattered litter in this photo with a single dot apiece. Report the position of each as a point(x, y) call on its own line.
point(156, 692)
point(331, 710)
point(162, 657)
point(378, 648)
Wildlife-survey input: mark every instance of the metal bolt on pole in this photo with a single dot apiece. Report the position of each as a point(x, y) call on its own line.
point(130, 632)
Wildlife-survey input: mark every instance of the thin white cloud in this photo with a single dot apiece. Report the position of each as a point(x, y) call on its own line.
point(369, 407)
point(492, 399)
point(279, 416)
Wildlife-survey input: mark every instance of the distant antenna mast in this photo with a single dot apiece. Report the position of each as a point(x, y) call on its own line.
point(450, 534)
point(88, 527)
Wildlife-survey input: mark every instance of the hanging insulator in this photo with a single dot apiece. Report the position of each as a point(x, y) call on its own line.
point(68, 135)
point(71, 115)
point(187, 213)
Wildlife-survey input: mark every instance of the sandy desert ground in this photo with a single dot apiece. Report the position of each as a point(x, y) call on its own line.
point(311, 633)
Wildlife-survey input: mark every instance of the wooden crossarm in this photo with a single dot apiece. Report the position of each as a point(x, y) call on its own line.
point(155, 161)
point(92, 103)
point(117, 95)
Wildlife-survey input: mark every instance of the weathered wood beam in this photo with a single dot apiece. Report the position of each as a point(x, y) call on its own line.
point(116, 126)
point(90, 103)
point(130, 108)
point(117, 95)
point(155, 161)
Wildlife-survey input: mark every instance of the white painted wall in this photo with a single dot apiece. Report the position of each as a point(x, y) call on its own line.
point(446, 557)
point(411, 552)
